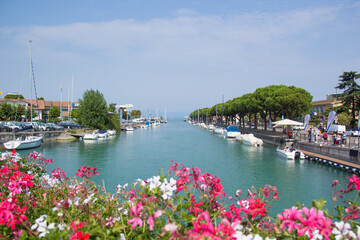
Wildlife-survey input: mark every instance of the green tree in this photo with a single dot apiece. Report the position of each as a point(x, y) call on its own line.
point(344, 118)
point(28, 114)
point(351, 95)
point(74, 113)
point(54, 113)
point(92, 109)
point(135, 113)
point(18, 112)
point(14, 96)
point(6, 110)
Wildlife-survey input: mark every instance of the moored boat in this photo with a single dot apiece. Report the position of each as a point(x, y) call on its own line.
point(231, 132)
point(24, 142)
point(250, 139)
point(129, 128)
point(103, 134)
point(290, 154)
point(91, 135)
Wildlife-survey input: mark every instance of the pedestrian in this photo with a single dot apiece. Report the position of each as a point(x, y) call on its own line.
point(334, 138)
point(325, 136)
point(344, 138)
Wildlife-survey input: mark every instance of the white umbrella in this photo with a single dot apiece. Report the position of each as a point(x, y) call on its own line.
point(287, 122)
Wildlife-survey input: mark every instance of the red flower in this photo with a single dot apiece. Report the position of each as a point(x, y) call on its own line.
point(354, 181)
point(79, 235)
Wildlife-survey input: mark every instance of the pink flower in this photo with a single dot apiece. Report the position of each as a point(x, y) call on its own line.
point(289, 218)
point(354, 181)
point(86, 171)
point(150, 220)
point(135, 221)
point(110, 221)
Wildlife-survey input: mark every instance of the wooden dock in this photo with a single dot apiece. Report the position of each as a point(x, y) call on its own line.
point(346, 165)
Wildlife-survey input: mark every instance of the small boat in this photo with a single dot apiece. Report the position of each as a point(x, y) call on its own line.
point(111, 132)
point(91, 135)
point(250, 139)
point(103, 134)
point(24, 142)
point(211, 127)
point(219, 130)
point(129, 128)
point(290, 154)
point(232, 132)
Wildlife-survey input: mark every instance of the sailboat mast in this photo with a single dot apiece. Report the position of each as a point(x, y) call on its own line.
point(30, 84)
point(222, 110)
point(72, 94)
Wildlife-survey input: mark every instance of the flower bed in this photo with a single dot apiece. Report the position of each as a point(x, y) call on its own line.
point(182, 204)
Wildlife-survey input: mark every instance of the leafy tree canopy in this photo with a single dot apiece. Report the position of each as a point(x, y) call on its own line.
point(351, 94)
point(54, 113)
point(92, 109)
point(14, 96)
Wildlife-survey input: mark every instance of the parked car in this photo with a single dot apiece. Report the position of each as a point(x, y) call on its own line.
point(352, 132)
point(70, 125)
point(55, 127)
point(43, 126)
point(300, 127)
point(14, 126)
point(4, 127)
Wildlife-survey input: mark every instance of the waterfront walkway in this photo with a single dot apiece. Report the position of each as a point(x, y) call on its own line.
point(342, 155)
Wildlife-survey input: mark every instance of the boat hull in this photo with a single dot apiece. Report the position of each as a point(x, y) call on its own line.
point(290, 155)
point(29, 142)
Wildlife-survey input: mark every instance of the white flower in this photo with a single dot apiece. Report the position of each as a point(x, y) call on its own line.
point(60, 214)
point(55, 209)
point(154, 182)
point(341, 230)
point(170, 227)
point(43, 228)
point(88, 199)
point(61, 226)
point(357, 235)
point(316, 235)
point(76, 201)
point(257, 237)
point(38, 221)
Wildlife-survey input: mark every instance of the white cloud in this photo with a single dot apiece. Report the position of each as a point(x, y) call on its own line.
point(187, 51)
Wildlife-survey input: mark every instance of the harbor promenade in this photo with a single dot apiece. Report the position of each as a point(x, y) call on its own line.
point(345, 155)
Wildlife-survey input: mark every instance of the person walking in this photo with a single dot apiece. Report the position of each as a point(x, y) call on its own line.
point(325, 136)
point(344, 138)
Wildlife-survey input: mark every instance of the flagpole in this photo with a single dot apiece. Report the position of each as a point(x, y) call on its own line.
point(61, 102)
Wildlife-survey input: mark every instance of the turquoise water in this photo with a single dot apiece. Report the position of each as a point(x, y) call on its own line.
point(142, 153)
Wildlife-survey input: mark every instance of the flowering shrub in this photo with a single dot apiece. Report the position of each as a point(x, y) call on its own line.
point(183, 204)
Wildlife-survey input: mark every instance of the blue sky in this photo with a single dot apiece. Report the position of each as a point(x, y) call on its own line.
point(178, 55)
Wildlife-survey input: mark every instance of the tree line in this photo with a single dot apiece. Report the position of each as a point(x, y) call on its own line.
point(268, 103)
point(275, 101)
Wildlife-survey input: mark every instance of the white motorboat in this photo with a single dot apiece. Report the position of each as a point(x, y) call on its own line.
point(231, 132)
point(129, 128)
point(219, 130)
point(103, 134)
point(250, 139)
point(91, 135)
point(24, 142)
point(211, 127)
point(111, 132)
point(290, 154)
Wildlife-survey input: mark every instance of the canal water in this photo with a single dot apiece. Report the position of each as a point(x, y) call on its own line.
point(142, 153)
